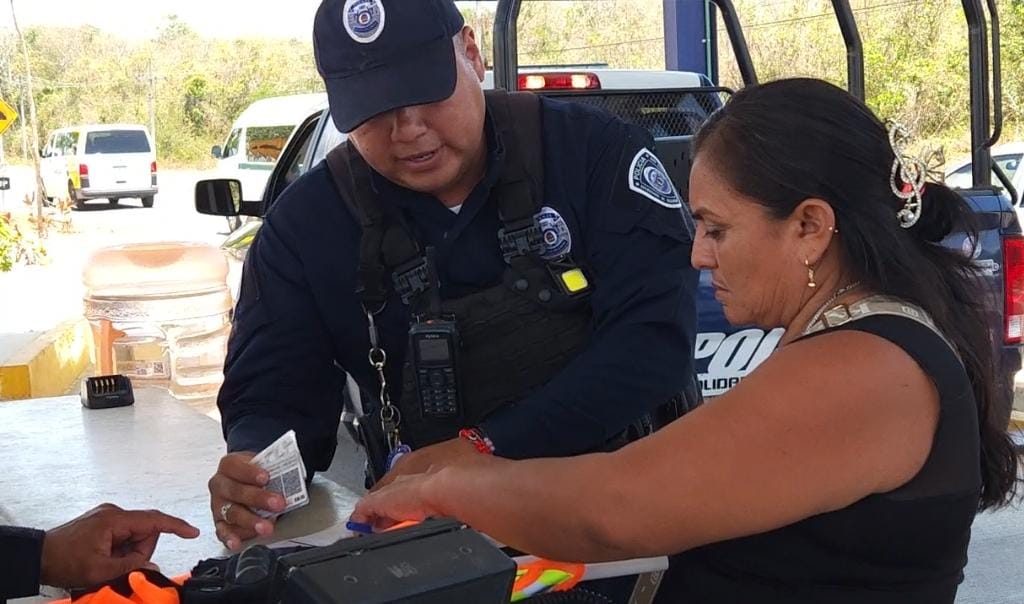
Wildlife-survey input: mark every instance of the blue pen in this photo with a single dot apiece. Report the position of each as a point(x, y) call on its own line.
point(359, 527)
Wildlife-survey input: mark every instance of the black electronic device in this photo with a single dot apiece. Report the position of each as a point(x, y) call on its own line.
point(436, 562)
point(107, 392)
point(435, 347)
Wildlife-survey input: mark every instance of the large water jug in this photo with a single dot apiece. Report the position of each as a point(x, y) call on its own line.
point(160, 314)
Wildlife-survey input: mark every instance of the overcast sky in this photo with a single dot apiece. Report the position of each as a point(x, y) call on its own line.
point(141, 18)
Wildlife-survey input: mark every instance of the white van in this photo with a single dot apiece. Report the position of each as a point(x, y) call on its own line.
point(258, 136)
point(100, 161)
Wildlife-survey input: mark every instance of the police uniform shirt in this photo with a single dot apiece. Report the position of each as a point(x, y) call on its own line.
point(299, 326)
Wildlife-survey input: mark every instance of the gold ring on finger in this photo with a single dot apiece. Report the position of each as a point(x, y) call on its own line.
point(224, 509)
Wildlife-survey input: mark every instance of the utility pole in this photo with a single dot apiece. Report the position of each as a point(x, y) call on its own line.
point(12, 87)
point(7, 83)
point(22, 125)
point(40, 193)
point(152, 101)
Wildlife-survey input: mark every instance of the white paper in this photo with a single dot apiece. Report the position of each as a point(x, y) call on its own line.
point(328, 536)
point(283, 462)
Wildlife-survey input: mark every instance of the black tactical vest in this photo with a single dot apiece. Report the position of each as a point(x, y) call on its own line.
point(516, 336)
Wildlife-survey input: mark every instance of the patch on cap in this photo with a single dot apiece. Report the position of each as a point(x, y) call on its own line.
point(364, 19)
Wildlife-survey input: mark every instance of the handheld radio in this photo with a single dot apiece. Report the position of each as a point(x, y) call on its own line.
point(435, 352)
point(435, 345)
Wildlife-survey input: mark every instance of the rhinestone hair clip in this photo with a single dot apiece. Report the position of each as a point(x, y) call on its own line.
point(907, 178)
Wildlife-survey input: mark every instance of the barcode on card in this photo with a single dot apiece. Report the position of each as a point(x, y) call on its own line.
point(288, 484)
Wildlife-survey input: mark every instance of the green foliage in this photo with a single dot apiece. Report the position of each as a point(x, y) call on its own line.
point(915, 55)
point(198, 86)
point(916, 67)
point(8, 245)
point(197, 103)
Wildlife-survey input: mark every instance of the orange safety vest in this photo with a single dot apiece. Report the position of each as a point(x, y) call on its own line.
point(143, 591)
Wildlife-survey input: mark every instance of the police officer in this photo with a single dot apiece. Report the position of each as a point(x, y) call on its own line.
point(519, 268)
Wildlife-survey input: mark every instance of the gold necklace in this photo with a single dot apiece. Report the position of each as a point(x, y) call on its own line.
point(828, 303)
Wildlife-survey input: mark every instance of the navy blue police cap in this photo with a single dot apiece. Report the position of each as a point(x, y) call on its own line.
point(380, 55)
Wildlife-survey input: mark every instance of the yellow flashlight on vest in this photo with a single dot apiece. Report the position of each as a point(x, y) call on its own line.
point(575, 281)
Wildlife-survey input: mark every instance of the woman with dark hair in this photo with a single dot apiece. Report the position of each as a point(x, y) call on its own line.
point(849, 466)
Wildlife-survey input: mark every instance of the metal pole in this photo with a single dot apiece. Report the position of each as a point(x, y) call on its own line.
point(739, 42)
point(997, 76)
point(686, 37)
point(854, 48)
point(711, 31)
point(981, 157)
point(506, 49)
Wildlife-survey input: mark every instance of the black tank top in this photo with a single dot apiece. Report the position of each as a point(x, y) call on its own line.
point(906, 546)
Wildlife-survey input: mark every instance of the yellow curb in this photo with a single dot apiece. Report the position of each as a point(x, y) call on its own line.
point(50, 365)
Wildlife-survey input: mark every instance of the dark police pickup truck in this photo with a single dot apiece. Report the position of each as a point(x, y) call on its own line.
point(672, 107)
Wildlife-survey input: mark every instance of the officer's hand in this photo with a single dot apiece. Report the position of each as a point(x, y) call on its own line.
point(235, 491)
point(432, 458)
point(104, 544)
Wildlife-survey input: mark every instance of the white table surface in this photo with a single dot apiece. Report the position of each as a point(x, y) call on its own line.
point(61, 460)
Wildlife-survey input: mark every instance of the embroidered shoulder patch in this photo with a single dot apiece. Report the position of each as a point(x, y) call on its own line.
point(648, 177)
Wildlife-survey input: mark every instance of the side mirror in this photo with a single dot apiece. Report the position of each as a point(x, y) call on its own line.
point(219, 197)
point(43, 153)
point(217, 152)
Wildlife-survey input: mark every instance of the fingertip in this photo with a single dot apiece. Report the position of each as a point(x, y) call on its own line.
point(264, 528)
point(177, 526)
point(360, 516)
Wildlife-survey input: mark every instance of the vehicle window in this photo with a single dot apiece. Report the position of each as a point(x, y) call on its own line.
point(1009, 164)
point(231, 147)
point(298, 167)
point(265, 143)
point(330, 139)
point(72, 143)
point(962, 178)
point(116, 141)
point(293, 164)
point(65, 144)
point(51, 145)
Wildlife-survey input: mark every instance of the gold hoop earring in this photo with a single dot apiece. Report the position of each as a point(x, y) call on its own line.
point(810, 274)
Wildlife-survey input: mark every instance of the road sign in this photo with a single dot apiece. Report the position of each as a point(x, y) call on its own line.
point(7, 116)
point(5, 183)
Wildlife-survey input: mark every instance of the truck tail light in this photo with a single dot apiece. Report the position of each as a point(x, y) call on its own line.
point(559, 81)
point(1013, 286)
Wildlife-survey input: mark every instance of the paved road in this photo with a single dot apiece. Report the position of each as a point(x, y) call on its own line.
point(995, 567)
point(37, 298)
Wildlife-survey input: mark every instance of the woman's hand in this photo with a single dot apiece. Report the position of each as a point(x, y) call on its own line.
point(407, 497)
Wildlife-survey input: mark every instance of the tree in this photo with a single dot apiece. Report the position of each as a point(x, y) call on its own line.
point(40, 191)
point(915, 51)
